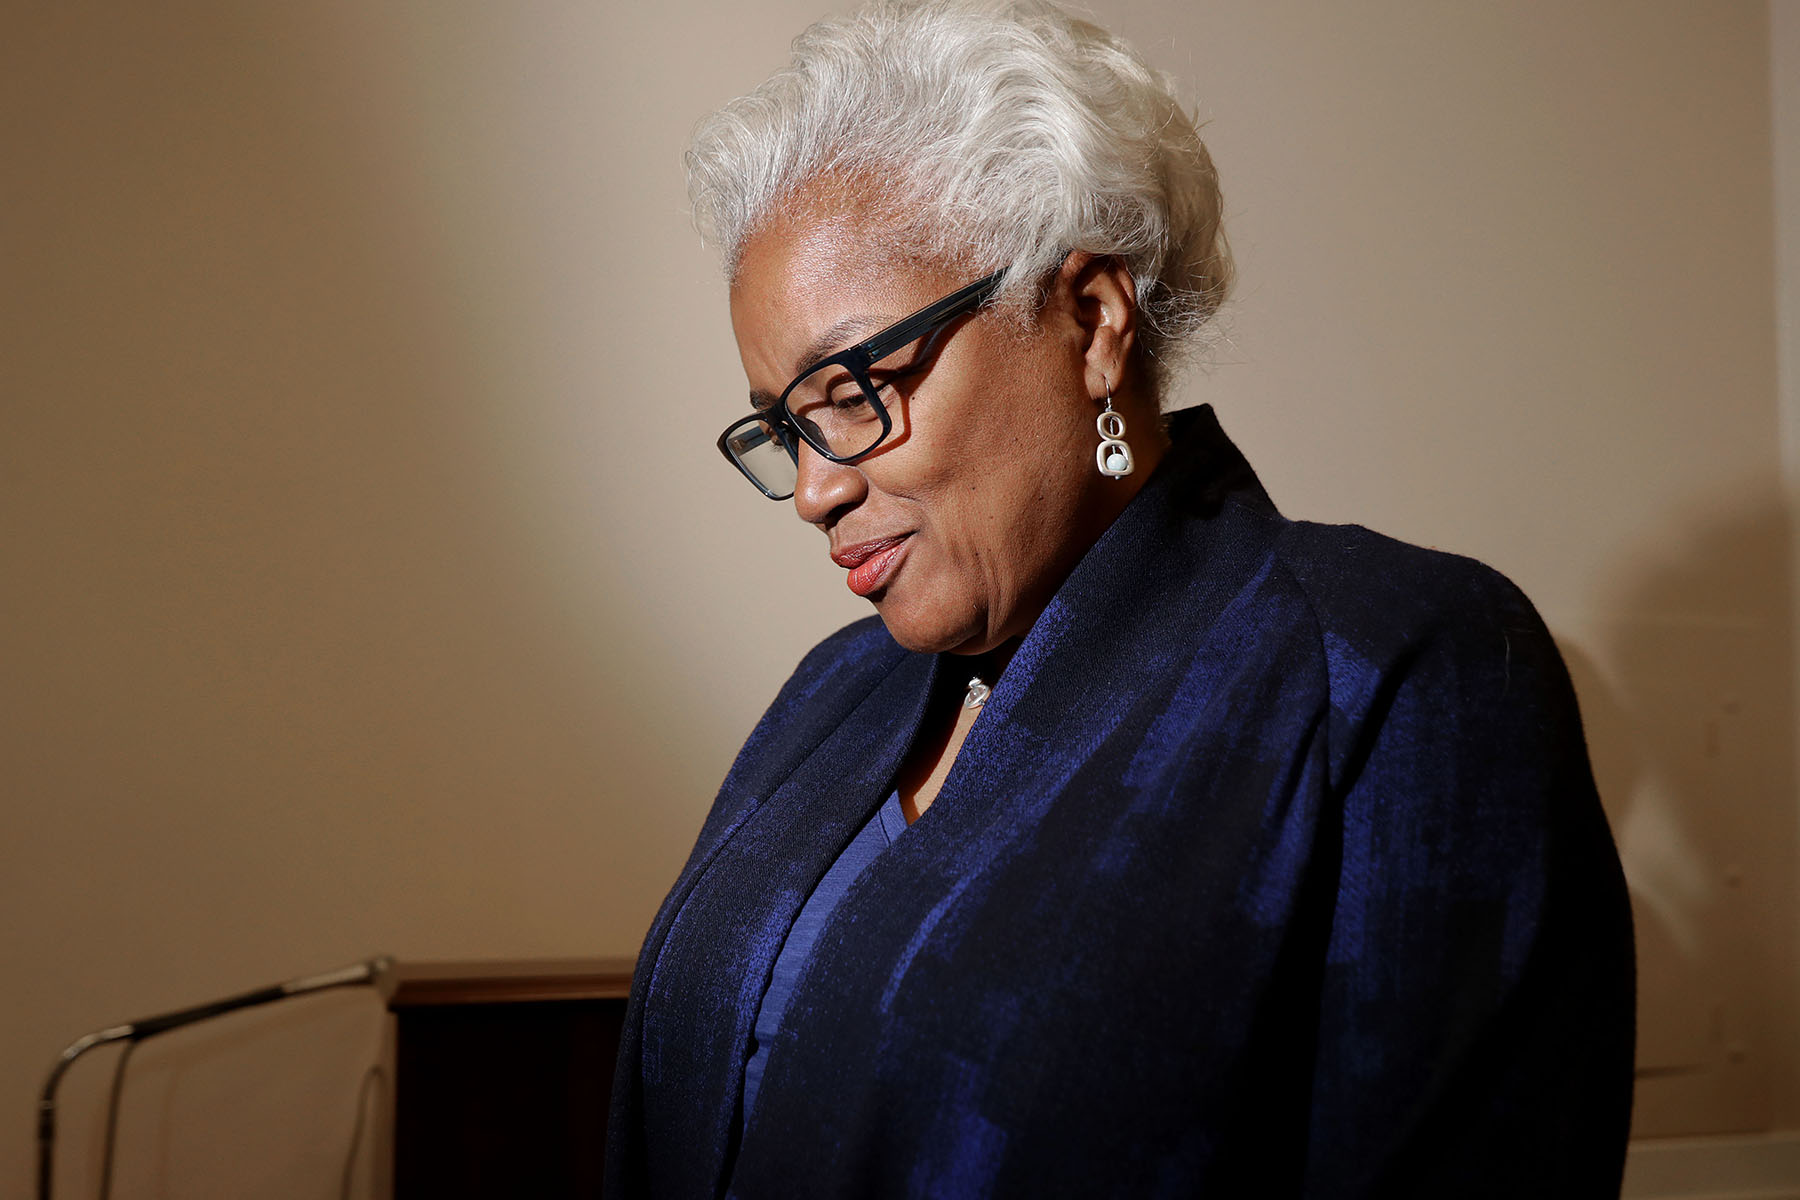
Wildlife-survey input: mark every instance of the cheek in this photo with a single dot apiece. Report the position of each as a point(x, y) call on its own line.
point(1004, 501)
point(992, 460)
point(1000, 418)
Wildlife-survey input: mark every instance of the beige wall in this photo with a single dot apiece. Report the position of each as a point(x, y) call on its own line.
point(371, 582)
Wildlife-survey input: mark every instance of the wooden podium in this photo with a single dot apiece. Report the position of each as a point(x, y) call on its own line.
point(503, 1075)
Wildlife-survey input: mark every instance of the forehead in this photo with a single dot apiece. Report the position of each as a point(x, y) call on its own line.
point(803, 275)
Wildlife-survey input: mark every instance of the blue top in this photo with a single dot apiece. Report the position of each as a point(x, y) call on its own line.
point(888, 823)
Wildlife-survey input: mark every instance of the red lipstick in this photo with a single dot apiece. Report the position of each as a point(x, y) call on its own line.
point(871, 563)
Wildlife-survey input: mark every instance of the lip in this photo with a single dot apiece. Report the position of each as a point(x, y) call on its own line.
point(871, 563)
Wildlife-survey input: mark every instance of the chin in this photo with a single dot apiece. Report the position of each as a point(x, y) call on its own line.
point(924, 633)
point(919, 641)
point(919, 631)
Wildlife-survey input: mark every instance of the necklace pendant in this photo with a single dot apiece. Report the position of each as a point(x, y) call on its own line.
point(978, 693)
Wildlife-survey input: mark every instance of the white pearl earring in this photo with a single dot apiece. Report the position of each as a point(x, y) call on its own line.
point(1112, 455)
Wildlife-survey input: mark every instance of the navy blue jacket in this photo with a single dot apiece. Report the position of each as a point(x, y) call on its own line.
point(1272, 868)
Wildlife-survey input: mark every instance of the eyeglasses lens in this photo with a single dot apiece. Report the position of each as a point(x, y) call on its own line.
point(758, 447)
point(834, 410)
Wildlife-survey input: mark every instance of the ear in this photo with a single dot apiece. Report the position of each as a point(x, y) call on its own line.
point(1104, 299)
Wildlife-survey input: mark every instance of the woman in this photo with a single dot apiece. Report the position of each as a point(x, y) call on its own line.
point(1145, 842)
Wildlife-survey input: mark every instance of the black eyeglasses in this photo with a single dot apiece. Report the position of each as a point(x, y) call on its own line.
point(835, 405)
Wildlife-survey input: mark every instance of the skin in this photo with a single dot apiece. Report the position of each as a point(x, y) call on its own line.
point(989, 471)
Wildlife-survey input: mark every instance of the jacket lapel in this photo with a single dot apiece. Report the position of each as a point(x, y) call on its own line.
point(741, 896)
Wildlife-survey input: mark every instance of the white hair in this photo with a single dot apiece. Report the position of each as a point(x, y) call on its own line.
point(997, 133)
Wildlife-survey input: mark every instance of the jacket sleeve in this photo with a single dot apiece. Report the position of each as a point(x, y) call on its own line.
point(1477, 1017)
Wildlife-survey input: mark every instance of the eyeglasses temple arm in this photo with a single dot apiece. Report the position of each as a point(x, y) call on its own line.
point(952, 305)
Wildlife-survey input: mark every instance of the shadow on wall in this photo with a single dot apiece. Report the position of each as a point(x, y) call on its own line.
point(1689, 714)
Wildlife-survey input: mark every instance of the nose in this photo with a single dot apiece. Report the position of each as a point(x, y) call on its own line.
point(824, 489)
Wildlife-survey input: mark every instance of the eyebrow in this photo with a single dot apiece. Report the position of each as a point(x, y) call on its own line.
point(829, 340)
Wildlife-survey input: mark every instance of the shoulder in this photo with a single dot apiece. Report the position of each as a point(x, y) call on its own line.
point(1374, 590)
point(1424, 636)
point(1380, 603)
point(850, 660)
point(832, 678)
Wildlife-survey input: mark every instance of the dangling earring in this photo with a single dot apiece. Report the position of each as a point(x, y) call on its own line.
point(1112, 455)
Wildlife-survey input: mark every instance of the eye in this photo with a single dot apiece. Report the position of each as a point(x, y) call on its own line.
point(848, 395)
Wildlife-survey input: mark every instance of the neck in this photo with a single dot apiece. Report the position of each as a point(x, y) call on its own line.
point(990, 663)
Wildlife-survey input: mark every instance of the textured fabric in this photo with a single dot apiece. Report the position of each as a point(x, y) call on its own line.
point(888, 823)
point(1272, 868)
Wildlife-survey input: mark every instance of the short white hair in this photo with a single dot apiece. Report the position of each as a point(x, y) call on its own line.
point(999, 133)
